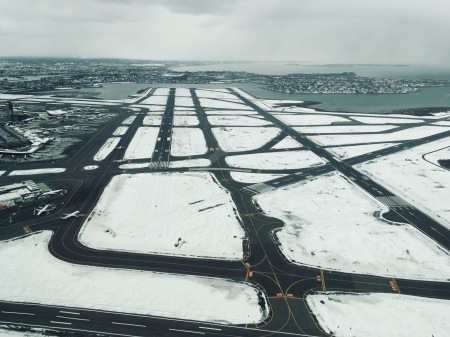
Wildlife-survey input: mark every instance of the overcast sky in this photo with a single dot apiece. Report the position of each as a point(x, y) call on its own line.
point(318, 31)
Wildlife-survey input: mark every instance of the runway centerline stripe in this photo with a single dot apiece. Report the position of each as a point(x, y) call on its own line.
point(188, 331)
point(130, 324)
point(18, 313)
point(74, 318)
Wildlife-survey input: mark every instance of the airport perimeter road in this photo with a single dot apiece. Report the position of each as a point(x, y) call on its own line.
point(412, 215)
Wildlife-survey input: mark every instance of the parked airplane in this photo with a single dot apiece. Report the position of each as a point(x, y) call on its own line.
point(69, 215)
point(44, 209)
point(53, 192)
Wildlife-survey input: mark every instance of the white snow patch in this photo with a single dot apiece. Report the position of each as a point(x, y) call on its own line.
point(231, 112)
point(287, 143)
point(91, 167)
point(142, 144)
point(380, 315)
point(129, 120)
point(147, 293)
point(120, 131)
point(330, 224)
point(356, 150)
point(36, 171)
point(275, 160)
point(179, 120)
point(305, 119)
point(200, 162)
point(443, 153)
point(205, 93)
point(188, 142)
point(134, 166)
point(182, 214)
point(345, 128)
point(107, 148)
point(386, 120)
point(237, 121)
point(184, 92)
point(234, 139)
point(2, 172)
point(253, 178)
point(184, 101)
point(155, 100)
point(218, 104)
point(152, 120)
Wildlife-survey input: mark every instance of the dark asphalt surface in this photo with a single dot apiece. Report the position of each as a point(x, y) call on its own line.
point(284, 283)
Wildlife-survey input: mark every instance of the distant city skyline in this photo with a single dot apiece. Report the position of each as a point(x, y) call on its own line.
point(321, 31)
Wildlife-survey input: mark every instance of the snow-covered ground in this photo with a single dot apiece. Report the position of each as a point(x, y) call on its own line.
point(442, 153)
point(234, 139)
point(380, 315)
point(184, 101)
point(134, 166)
point(107, 148)
point(91, 167)
point(155, 100)
point(356, 150)
point(152, 120)
point(304, 119)
point(406, 134)
point(200, 162)
point(330, 224)
point(16, 333)
point(179, 120)
point(120, 131)
point(188, 142)
point(142, 144)
point(129, 120)
point(231, 112)
point(36, 171)
point(211, 93)
point(407, 174)
point(287, 143)
point(253, 178)
point(161, 92)
point(2, 172)
point(442, 123)
point(185, 92)
point(119, 290)
point(209, 103)
point(345, 128)
point(285, 160)
point(386, 120)
point(183, 214)
point(237, 121)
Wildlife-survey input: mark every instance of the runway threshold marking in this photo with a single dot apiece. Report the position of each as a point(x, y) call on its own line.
point(324, 288)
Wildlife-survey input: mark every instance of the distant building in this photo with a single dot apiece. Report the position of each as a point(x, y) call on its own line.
point(11, 194)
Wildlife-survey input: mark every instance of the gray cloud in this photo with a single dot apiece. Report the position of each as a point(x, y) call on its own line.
point(322, 31)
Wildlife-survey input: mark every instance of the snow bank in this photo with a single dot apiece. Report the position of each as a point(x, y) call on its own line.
point(120, 131)
point(380, 315)
point(107, 148)
point(118, 290)
point(36, 171)
point(142, 144)
point(182, 214)
point(234, 139)
point(330, 225)
point(285, 160)
point(188, 142)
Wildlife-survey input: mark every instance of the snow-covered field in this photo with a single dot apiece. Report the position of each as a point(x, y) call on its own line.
point(120, 131)
point(329, 224)
point(356, 150)
point(152, 120)
point(142, 144)
point(442, 153)
point(345, 128)
point(235, 139)
point(386, 120)
point(90, 167)
point(253, 178)
point(107, 148)
point(188, 142)
point(36, 171)
point(406, 134)
point(237, 121)
point(184, 101)
point(208, 93)
point(304, 119)
point(285, 160)
point(119, 290)
point(231, 112)
point(129, 120)
point(2, 172)
point(407, 174)
point(185, 92)
point(209, 103)
point(155, 100)
point(183, 214)
point(287, 143)
point(200, 162)
point(16, 333)
point(380, 315)
point(179, 120)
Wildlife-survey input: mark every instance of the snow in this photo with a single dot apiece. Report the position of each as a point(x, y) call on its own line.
point(184, 214)
point(285, 160)
point(185, 92)
point(253, 178)
point(142, 144)
point(356, 150)
point(438, 154)
point(386, 120)
point(147, 293)
point(237, 121)
point(17, 333)
point(13, 96)
point(36, 171)
point(152, 120)
point(184, 101)
point(120, 131)
point(231, 112)
point(287, 143)
point(380, 315)
point(188, 142)
point(91, 167)
point(155, 100)
point(442, 123)
point(205, 93)
point(234, 139)
point(161, 92)
point(2, 172)
point(310, 119)
point(406, 134)
point(348, 237)
point(218, 104)
point(134, 166)
point(190, 163)
point(179, 120)
point(345, 128)
point(129, 120)
point(422, 184)
point(107, 148)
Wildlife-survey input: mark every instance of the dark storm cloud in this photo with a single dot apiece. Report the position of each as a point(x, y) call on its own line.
point(322, 31)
